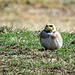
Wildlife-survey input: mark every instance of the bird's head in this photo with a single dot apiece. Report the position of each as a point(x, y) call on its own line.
point(50, 28)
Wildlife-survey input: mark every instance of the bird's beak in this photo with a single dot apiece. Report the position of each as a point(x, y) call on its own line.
point(50, 28)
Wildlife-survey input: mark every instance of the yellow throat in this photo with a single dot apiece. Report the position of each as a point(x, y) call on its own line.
point(48, 28)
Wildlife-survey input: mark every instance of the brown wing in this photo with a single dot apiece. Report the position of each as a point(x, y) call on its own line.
point(58, 36)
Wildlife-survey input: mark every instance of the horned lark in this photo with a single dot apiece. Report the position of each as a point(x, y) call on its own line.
point(50, 38)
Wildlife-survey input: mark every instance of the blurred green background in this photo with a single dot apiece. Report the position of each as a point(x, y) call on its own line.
point(35, 14)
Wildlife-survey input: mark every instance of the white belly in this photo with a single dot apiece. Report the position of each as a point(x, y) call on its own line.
point(50, 43)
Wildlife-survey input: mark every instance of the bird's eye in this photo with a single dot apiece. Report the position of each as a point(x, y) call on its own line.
point(51, 25)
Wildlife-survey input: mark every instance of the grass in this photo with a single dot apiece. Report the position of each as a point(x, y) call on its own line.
point(48, 3)
point(22, 53)
point(25, 14)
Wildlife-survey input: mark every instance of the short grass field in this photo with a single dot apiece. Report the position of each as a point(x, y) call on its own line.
point(22, 54)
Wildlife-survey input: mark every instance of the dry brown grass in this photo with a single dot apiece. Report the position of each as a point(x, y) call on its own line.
point(35, 15)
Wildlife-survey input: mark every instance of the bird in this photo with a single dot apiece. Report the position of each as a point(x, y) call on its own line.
point(50, 38)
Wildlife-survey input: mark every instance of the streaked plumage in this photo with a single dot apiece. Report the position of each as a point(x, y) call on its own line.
point(50, 38)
